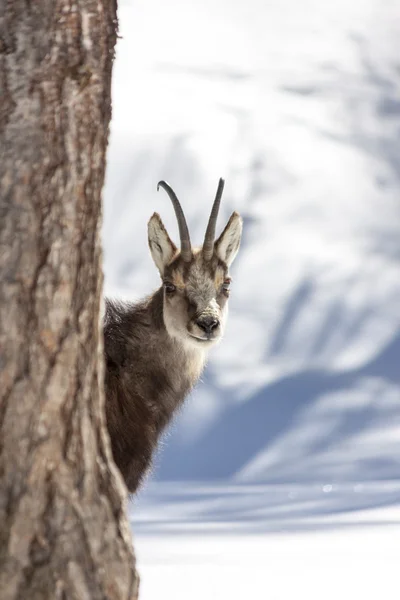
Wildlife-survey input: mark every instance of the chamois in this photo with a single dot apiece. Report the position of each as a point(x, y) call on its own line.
point(155, 350)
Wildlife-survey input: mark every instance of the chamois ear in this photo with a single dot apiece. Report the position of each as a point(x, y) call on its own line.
point(227, 245)
point(161, 246)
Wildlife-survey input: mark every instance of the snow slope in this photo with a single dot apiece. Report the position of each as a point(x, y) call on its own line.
point(297, 105)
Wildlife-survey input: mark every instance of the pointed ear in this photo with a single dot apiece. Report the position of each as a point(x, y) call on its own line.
point(227, 245)
point(162, 248)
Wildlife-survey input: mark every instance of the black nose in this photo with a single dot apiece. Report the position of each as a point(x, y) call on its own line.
point(207, 324)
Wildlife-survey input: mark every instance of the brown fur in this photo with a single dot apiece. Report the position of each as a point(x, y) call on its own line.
point(148, 376)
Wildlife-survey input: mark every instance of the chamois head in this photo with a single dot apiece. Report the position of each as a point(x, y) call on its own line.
point(195, 280)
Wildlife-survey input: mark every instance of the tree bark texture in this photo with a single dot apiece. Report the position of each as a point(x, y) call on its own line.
point(64, 532)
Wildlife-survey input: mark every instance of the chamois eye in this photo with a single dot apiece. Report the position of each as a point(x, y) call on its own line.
point(169, 287)
point(226, 285)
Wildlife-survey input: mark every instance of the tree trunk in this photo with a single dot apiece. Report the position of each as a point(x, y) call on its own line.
point(64, 532)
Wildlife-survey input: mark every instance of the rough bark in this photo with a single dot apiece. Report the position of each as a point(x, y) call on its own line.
point(64, 533)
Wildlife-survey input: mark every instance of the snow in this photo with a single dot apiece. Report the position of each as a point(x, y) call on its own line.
point(280, 478)
point(283, 541)
point(327, 566)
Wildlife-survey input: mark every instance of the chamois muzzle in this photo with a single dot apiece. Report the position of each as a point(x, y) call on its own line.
point(207, 324)
point(186, 248)
point(208, 244)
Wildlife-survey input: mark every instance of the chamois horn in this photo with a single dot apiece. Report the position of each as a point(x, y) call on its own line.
point(208, 245)
point(186, 248)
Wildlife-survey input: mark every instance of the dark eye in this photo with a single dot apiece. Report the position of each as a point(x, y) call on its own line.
point(169, 287)
point(226, 286)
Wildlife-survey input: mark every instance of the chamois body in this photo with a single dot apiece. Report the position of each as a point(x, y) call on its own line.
point(148, 376)
point(155, 350)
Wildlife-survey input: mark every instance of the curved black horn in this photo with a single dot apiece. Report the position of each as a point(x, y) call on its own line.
point(186, 248)
point(208, 245)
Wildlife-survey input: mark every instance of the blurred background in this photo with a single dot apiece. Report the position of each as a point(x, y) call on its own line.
point(286, 458)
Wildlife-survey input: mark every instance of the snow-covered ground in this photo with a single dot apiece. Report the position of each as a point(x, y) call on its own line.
point(361, 565)
point(268, 542)
point(281, 477)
